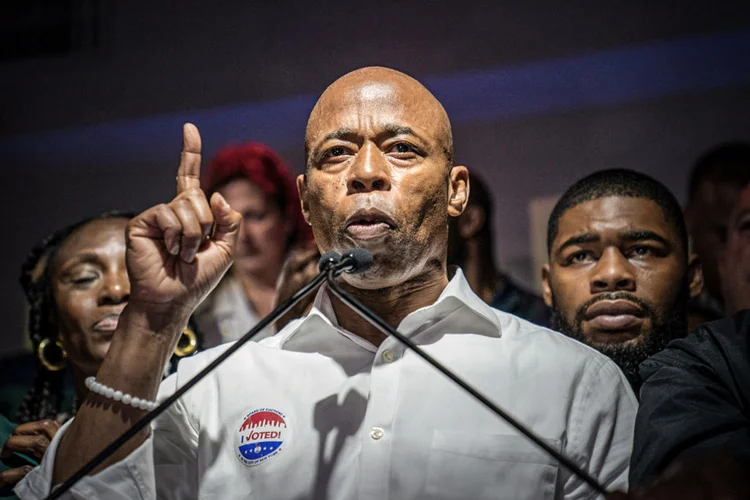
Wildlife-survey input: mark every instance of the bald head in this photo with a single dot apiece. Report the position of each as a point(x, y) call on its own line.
point(380, 175)
point(365, 90)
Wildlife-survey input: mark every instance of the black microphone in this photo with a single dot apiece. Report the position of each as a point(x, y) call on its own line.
point(354, 261)
point(359, 260)
point(330, 262)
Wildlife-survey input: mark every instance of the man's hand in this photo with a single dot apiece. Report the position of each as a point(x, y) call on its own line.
point(177, 252)
point(31, 439)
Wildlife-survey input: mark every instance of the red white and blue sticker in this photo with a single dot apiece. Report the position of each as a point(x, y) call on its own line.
point(261, 436)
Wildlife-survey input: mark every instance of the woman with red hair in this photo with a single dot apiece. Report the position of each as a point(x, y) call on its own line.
point(257, 184)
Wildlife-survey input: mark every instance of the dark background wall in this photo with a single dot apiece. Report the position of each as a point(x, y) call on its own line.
point(540, 94)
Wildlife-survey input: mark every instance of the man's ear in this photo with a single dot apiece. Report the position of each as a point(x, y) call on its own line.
point(458, 190)
point(471, 221)
point(546, 287)
point(695, 275)
point(302, 190)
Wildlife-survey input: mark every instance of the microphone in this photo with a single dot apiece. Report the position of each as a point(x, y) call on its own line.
point(331, 262)
point(359, 260)
point(354, 261)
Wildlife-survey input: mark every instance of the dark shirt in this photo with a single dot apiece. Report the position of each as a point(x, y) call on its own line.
point(695, 398)
point(513, 299)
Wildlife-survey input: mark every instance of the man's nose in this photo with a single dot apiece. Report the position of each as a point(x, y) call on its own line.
point(370, 171)
point(612, 273)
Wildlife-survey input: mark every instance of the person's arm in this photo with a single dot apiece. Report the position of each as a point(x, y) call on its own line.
point(173, 262)
point(685, 409)
point(163, 466)
point(600, 431)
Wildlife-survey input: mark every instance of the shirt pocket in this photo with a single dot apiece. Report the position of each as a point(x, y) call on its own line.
point(489, 466)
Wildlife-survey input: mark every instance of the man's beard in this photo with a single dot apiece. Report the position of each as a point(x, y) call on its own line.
point(628, 356)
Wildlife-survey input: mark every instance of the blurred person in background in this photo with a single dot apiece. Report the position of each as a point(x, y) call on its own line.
point(619, 274)
point(715, 182)
point(257, 184)
point(76, 284)
point(693, 422)
point(471, 247)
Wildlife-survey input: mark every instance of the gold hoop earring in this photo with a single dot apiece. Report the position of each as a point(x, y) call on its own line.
point(188, 343)
point(43, 355)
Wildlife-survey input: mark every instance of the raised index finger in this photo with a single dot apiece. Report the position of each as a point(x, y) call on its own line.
point(188, 175)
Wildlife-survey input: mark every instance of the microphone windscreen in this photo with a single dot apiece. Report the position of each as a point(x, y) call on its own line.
point(361, 260)
point(328, 259)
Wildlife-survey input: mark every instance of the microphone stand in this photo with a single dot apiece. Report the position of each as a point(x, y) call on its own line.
point(384, 327)
point(329, 265)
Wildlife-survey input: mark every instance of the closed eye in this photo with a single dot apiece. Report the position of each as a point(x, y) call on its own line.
point(83, 280)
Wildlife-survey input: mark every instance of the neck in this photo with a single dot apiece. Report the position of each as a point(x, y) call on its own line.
point(259, 291)
point(479, 268)
point(392, 304)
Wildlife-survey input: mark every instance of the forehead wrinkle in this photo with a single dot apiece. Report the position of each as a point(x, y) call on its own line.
point(373, 83)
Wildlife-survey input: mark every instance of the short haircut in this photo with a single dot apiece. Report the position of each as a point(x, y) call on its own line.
point(727, 163)
point(623, 183)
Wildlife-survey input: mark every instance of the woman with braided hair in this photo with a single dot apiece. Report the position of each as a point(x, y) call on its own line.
point(76, 285)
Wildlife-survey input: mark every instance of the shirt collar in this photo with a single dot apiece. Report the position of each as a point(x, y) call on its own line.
point(456, 295)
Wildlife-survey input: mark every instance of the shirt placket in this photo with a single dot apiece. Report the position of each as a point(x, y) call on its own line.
point(377, 431)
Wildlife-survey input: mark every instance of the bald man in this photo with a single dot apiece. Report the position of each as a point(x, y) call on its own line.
point(329, 407)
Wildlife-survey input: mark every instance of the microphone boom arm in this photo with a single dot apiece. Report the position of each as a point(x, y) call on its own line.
point(152, 415)
point(384, 327)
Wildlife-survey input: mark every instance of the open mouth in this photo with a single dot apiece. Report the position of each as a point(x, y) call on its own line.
point(369, 224)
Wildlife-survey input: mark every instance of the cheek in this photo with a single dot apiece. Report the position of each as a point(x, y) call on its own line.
point(569, 291)
point(74, 317)
point(660, 286)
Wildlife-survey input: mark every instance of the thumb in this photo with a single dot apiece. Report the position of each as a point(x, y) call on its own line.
point(227, 221)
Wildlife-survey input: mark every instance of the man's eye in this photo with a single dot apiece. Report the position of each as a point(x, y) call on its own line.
point(403, 147)
point(334, 151)
point(640, 251)
point(579, 257)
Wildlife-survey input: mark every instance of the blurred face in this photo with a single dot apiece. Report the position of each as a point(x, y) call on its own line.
point(264, 233)
point(378, 176)
point(706, 218)
point(734, 263)
point(90, 289)
point(617, 278)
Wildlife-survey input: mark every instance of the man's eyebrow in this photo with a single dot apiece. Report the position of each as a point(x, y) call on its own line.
point(338, 134)
point(394, 129)
point(578, 240)
point(645, 235)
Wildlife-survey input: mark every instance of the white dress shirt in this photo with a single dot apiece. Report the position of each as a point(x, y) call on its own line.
point(225, 315)
point(318, 412)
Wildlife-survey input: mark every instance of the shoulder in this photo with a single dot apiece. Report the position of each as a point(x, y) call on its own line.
point(715, 344)
point(546, 342)
point(554, 355)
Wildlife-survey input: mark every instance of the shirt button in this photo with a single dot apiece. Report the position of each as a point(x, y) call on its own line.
point(376, 433)
point(389, 356)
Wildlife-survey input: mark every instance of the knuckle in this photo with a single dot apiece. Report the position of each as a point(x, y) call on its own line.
point(190, 236)
point(195, 192)
point(40, 444)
